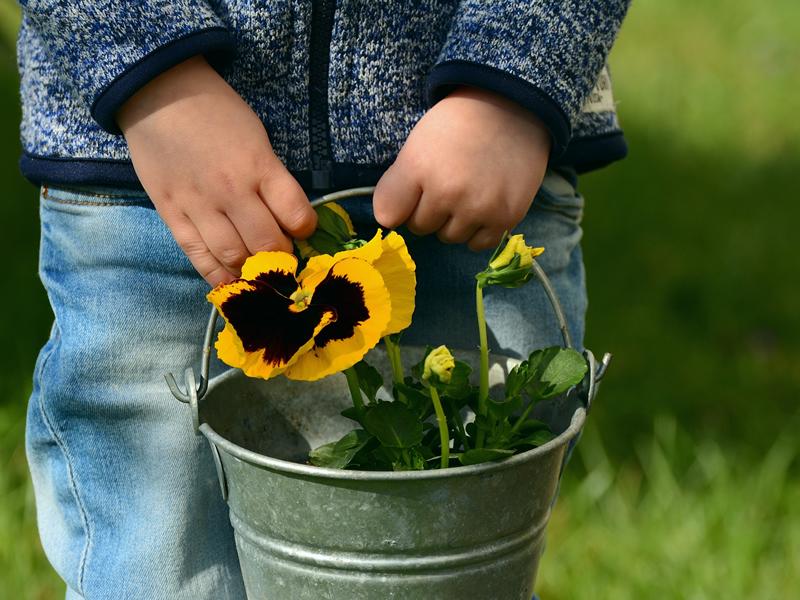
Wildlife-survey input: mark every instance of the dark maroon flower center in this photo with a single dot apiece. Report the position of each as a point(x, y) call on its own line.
point(263, 319)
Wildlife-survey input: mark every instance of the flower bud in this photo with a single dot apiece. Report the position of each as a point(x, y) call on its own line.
point(511, 265)
point(515, 246)
point(439, 365)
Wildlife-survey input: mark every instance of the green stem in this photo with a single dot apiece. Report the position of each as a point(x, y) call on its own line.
point(355, 391)
point(393, 352)
point(483, 390)
point(443, 433)
point(522, 418)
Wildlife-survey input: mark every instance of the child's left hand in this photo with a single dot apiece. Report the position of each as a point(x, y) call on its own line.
point(468, 171)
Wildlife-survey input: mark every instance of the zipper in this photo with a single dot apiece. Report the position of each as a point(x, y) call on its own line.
point(319, 134)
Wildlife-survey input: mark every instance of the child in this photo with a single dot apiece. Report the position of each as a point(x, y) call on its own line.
point(225, 116)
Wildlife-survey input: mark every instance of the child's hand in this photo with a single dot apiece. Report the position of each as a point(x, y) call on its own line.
point(205, 160)
point(468, 171)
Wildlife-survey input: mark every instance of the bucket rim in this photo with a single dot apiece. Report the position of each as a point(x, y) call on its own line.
point(285, 466)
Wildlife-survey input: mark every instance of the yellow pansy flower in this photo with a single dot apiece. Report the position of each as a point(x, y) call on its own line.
point(390, 256)
point(323, 320)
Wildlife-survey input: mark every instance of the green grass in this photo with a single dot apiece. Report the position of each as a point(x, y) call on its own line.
point(686, 484)
point(717, 528)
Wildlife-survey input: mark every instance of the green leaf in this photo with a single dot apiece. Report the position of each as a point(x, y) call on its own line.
point(530, 426)
point(351, 412)
point(431, 437)
point(500, 435)
point(503, 410)
point(382, 458)
point(324, 243)
point(394, 424)
point(459, 386)
point(416, 397)
point(517, 379)
point(337, 455)
point(482, 422)
point(415, 461)
point(480, 455)
point(418, 369)
point(369, 379)
point(537, 438)
point(331, 223)
point(553, 371)
point(510, 276)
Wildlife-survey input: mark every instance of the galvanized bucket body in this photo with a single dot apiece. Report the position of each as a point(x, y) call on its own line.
point(304, 532)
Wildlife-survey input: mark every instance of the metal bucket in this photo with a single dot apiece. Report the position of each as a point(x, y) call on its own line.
point(304, 532)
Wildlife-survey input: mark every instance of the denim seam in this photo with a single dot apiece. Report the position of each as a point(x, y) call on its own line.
point(52, 192)
point(73, 485)
point(131, 202)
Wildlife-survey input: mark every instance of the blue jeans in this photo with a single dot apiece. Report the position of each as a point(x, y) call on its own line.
point(127, 497)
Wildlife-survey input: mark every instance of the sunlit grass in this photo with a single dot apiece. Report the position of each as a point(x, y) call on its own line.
point(716, 76)
point(24, 571)
point(715, 528)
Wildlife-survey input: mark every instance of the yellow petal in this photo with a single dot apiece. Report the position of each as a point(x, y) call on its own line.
point(398, 271)
point(230, 349)
point(369, 252)
point(512, 248)
point(339, 354)
point(231, 352)
point(223, 291)
point(264, 262)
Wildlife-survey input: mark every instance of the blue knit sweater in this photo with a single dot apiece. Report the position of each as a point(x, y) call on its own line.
point(338, 84)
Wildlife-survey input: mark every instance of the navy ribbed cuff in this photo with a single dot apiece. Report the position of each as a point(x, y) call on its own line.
point(216, 43)
point(595, 152)
point(448, 75)
point(54, 170)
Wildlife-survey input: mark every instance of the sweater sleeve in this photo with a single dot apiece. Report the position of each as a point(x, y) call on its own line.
point(109, 49)
point(544, 54)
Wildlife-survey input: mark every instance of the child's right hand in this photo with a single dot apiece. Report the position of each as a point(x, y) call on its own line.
point(206, 162)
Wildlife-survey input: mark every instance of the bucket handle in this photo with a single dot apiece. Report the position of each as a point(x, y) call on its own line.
point(196, 390)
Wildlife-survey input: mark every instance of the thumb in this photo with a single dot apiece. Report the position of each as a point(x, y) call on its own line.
point(395, 198)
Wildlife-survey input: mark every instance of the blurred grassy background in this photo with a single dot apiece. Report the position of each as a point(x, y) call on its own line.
point(686, 483)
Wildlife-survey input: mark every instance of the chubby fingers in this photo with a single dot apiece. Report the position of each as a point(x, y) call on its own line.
point(218, 237)
point(396, 197)
point(457, 230)
point(484, 239)
point(257, 226)
point(287, 202)
point(197, 251)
